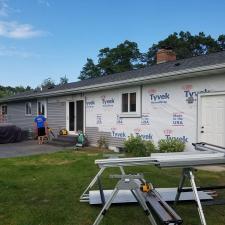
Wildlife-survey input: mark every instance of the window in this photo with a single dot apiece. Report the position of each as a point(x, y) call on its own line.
point(39, 107)
point(133, 102)
point(42, 108)
point(28, 108)
point(125, 102)
point(4, 110)
point(129, 102)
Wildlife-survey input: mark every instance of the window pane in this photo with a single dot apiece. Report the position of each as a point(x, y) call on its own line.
point(30, 112)
point(133, 102)
point(28, 108)
point(125, 102)
point(43, 109)
point(39, 107)
point(4, 110)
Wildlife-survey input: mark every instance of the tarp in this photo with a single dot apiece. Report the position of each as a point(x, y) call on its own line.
point(10, 134)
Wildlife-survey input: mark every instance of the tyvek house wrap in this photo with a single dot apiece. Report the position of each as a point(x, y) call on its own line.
point(166, 110)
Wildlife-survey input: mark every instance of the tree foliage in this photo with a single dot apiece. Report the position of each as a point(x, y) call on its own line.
point(7, 91)
point(126, 56)
point(89, 70)
point(63, 80)
point(48, 83)
point(221, 41)
point(186, 45)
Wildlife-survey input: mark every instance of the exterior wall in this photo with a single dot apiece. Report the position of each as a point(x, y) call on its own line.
point(163, 111)
point(94, 134)
point(16, 114)
point(56, 108)
point(166, 111)
point(57, 111)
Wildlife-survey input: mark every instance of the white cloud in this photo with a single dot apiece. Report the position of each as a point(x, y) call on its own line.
point(4, 8)
point(15, 52)
point(15, 30)
point(44, 2)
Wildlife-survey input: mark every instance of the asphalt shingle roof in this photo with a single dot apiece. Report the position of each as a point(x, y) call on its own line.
point(189, 63)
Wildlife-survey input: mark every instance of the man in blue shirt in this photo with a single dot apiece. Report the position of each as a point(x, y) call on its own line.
point(41, 125)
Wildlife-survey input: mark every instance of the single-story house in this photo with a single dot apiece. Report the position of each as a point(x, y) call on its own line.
point(182, 99)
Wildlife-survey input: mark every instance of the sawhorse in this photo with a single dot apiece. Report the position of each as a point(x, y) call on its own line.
point(127, 182)
point(188, 173)
point(85, 196)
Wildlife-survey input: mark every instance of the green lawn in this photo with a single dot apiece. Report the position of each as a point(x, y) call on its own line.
point(45, 190)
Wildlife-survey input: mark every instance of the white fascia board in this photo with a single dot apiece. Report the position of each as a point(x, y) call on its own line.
point(157, 77)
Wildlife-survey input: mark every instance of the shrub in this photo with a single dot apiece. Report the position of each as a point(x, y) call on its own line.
point(137, 147)
point(102, 143)
point(149, 147)
point(171, 145)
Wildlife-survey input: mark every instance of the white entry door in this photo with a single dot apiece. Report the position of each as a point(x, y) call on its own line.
point(75, 116)
point(212, 119)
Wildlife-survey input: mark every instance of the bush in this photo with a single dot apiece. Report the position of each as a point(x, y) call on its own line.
point(171, 145)
point(102, 143)
point(149, 147)
point(137, 147)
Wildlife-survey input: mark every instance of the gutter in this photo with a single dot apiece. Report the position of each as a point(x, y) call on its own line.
point(163, 76)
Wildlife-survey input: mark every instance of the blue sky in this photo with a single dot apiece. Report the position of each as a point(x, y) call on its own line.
point(51, 38)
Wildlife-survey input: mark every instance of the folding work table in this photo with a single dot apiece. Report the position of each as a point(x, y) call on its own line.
point(205, 155)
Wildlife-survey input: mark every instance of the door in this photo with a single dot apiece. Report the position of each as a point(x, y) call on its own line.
point(80, 115)
point(71, 110)
point(212, 119)
point(42, 107)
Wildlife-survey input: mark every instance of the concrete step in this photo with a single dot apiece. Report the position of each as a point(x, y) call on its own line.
point(64, 141)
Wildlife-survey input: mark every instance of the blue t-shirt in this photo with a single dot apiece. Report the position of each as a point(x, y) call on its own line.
point(40, 121)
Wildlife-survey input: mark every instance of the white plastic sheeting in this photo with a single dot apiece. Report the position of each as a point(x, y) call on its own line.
point(164, 110)
point(125, 196)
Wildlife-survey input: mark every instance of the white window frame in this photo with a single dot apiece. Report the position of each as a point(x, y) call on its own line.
point(30, 104)
point(75, 110)
point(129, 91)
point(44, 102)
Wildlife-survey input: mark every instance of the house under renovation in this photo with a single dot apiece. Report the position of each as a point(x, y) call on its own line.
point(181, 99)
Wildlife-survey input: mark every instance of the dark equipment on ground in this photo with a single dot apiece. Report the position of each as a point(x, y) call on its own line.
point(63, 132)
point(81, 139)
point(10, 134)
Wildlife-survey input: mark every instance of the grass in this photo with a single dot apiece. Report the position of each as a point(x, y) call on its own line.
point(45, 190)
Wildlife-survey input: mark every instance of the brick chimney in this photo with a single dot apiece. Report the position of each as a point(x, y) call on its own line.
point(165, 55)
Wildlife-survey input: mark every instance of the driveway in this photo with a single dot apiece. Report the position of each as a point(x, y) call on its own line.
point(26, 148)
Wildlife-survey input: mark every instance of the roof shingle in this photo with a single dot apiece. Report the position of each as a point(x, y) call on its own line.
point(189, 63)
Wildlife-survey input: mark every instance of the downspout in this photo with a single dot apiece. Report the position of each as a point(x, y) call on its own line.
point(141, 89)
point(85, 116)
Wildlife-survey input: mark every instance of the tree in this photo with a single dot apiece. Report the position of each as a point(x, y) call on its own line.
point(7, 91)
point(125, 56)
point(221, 42)
point(64, 80)
point(89, 70)
point(48, 83)
point(186, 45)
